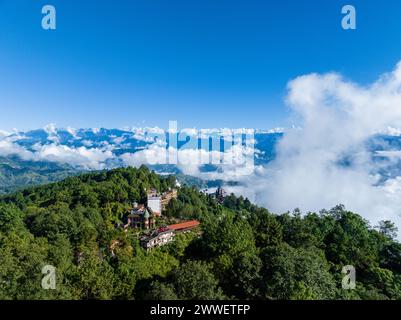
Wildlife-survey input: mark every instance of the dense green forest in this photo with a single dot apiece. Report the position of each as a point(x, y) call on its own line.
point(245, 252)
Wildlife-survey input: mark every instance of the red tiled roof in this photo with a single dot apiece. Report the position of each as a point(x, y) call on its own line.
point(184, 225)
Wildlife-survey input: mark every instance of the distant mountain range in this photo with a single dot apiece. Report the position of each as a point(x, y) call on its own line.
point(51, 154)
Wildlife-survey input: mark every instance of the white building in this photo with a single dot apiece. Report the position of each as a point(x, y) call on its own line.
point(154, 203)
point(158, 238)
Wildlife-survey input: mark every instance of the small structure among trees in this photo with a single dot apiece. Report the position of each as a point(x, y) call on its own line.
point(144, 215)
point(157, 238)
point(164, 235)
point(140, 217)
point(220, 194)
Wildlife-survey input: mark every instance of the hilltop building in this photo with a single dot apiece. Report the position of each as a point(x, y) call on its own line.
point(140, 217)
point(154, 203)
point(144, 216)
point(217, 193)
point(184, 226)
point(220, 194)
point(165, 235)
point(157, 238)
point(158, 202)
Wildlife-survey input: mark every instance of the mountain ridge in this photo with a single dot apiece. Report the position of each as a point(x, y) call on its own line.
point(50, 154)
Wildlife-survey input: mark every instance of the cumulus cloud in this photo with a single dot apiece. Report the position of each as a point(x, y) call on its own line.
point(233, 160)
point(230, 164)
point(86, 158)
point(51, 131)
point(91, 159)
point(73, 132)
point(4, 134)
point(8, 148)
point(337, 117)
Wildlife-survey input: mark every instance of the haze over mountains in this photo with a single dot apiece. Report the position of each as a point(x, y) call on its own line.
point(51, 154)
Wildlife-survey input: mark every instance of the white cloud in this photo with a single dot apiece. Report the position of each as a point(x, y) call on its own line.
point(4, 134)
point(337, 117)
point(8, 148)
point(87, 158)
point(73, 132)
point(392, 154)
point(155, 154)
point(51, 131)
point(231, 164)
point(274, 130)
point(93, 158)
point(235, 160)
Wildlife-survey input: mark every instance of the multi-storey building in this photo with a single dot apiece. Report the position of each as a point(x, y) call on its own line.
point(140, 217)
point(157, 238)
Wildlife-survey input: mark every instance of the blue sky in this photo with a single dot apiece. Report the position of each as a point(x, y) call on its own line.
point(204, 63)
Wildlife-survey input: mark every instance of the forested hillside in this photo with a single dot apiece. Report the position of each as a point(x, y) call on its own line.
point(16, 173)
point(244, 252)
